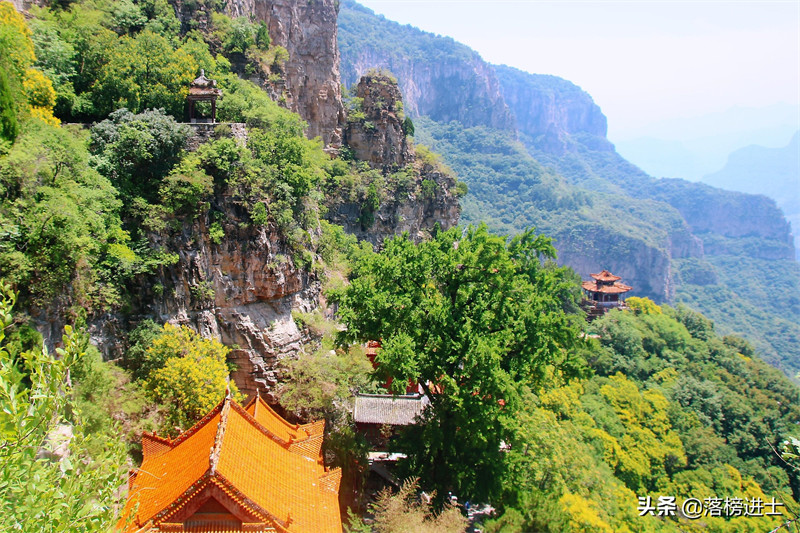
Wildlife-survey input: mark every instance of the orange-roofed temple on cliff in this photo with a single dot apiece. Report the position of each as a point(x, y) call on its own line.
point(603, 293)
point(237, 469)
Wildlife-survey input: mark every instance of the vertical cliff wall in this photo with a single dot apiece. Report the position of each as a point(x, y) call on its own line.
point(550, 110)
point(439, 77)
point(308, 31)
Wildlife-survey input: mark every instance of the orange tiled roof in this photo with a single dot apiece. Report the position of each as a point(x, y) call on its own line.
point(270, 476)
point(616, 288)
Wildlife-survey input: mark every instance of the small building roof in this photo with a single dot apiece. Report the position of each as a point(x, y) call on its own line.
point(605, 275)
point(203, 88)
point(389, 409)
point(231, 471)
point(616, 288)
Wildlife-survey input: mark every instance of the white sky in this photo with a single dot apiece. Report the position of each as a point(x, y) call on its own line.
point(642, 61)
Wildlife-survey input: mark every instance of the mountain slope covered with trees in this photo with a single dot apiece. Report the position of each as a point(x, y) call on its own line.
point(552, 167)
point(162, 265)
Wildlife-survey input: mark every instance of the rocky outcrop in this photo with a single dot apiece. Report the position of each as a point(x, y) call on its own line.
point(422, 193)
point(550, 110)
point(428, 201)
point(240, 290)
point(307, 30)
point(377, 136)
point(438, 77)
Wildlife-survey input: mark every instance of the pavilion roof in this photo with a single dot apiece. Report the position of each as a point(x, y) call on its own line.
point(605, 275)
point(616, 288)
point(204, 88)
point(389, 409)
point(271, 469)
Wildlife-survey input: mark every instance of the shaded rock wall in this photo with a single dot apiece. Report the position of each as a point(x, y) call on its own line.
point(240, 291)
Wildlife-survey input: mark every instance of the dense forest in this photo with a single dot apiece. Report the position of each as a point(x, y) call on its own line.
point(559, 424)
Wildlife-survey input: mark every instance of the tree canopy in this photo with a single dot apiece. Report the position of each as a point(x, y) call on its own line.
point(476, 320)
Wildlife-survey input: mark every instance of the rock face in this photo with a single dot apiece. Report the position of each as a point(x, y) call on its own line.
point(375, 134)
point(438, 77)
point(550, 109)
point(378, 137)
point(416, 211)
point(241, 291)
point(308, 31)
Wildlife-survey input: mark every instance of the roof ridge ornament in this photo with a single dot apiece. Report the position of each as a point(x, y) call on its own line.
point(216, 449)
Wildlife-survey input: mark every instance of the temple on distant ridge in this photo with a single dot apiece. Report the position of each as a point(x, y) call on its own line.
point(603, 293)
point(237, 469)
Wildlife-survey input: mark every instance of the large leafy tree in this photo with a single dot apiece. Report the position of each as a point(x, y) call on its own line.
point(477, 320)
point(145, 72)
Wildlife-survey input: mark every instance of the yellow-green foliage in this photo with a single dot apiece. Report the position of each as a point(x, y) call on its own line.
point(17, 56)
point(146, 72)
point(15, 36)
point(647, 443)
point(644, 306)
point(193, 378)
point(584, 515)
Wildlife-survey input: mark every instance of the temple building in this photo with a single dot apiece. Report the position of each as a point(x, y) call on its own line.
point(603, 293)
point(237, 469)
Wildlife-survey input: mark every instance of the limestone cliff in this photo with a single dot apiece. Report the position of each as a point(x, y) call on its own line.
point(240, 290)
point(550, 110)
point(418, 193)
point(438, 77)
point(377, 136)
point(308, 31)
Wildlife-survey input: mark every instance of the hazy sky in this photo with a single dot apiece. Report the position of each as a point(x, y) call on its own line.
point(642, 61)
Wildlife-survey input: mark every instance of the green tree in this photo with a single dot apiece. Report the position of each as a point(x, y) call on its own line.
point(145, 72)
point(60, 221)
point(476, 320)
point(137, 151)
point(49, 480)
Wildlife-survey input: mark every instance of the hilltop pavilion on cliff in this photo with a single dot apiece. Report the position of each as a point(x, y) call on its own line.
point(603, 293)
point(237, 469)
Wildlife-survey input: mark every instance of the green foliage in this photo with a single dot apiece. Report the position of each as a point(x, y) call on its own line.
point(236, 35)
point(60, 221)
point(137, 151)
point(734, 298)
point(216, 232)
point(408, 127)
point(145, 72)
point(41, 491)
point(138, 358)
point(188, 376)
point(9, 128)
point(319, 380)
point(476, 317)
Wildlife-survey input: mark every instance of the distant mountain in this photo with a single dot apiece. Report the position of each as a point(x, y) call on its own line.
point(534, 152)
point(773, 172)
point(690, 148)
